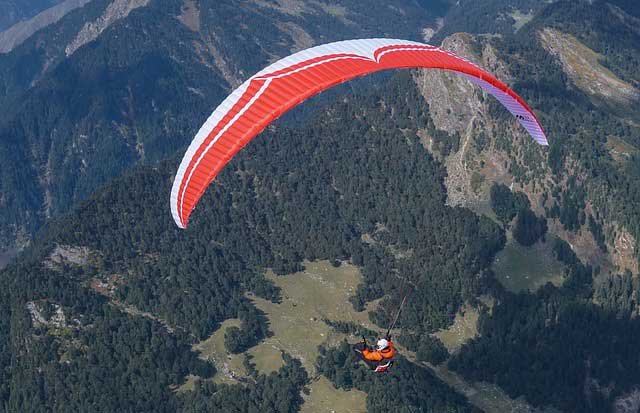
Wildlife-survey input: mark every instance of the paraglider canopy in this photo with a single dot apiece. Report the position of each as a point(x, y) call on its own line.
point(289, 81)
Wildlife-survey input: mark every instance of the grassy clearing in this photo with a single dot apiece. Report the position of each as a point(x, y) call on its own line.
point(485, 396)
point(488, 397)
point(188, 385)
point(319, 292)
point(212, 349)
point(583, 66)
point(267, 358)
point(465, 327)
point(322, 292)
point(323, 397)
point(521, 268)
point(308, 297)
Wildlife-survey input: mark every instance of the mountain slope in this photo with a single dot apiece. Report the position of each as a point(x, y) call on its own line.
point(571, 63)
point(319, 192)
point(135, 82)
point(588, 105)
point(18, 10)
point(311, 193)
point(386, 180)
point(19, 32)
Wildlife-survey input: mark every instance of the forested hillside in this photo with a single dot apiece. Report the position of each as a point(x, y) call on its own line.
point(117, 83)
point(559, 346)
point(301, 193)
point(593, 134)
point(416, 178)
point(296, 193)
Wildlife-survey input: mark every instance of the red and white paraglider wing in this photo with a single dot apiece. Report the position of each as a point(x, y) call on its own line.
point(290, 81)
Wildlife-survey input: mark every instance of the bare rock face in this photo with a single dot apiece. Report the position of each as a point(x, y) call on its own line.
point(629, 403)
point(430, 31)
point(459, 107)
point(624, 251)
point(452, 99)
point(39, 316)
point(117, 10)
point(491, 146)
point(584, 69)
point(66, 254)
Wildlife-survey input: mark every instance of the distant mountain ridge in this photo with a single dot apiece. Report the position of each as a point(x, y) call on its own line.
point(19, 32)
point(14, 11)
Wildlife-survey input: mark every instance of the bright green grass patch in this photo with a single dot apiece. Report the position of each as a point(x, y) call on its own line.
point(308, 297)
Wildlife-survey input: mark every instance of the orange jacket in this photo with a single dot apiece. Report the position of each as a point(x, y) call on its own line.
point(378, 355)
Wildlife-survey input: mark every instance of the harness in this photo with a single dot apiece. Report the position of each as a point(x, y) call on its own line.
point(387, 360)
point(383, 366)
point(386, 350)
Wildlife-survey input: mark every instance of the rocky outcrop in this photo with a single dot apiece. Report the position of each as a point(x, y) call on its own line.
point(453, 100)
point(461, 108)
point(491, 147)
point(19, 32)
point(51, 317)
point(624, 254)
point(430, 31)
point(584, 69)
point(117, 10)
point(628, 403)
point(66, 254)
